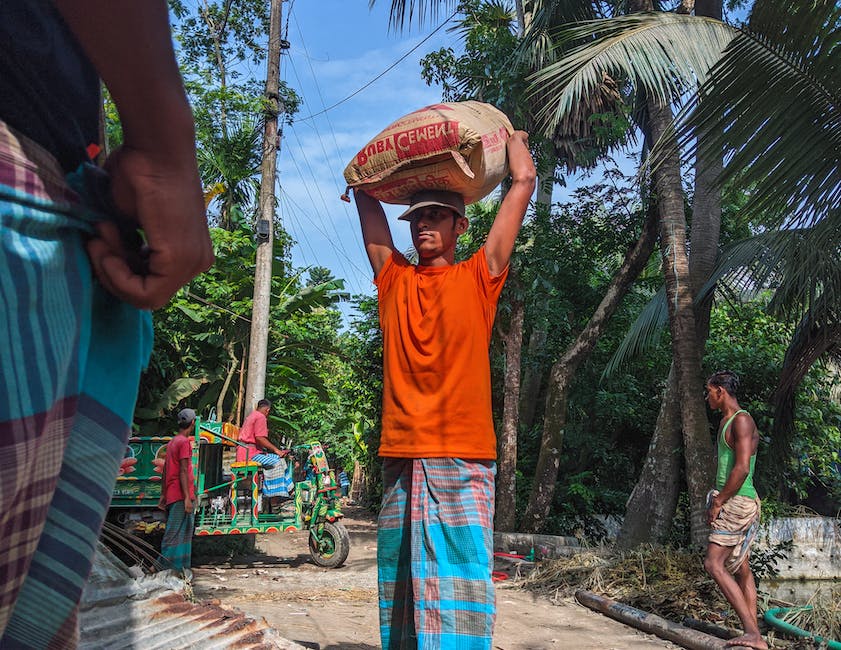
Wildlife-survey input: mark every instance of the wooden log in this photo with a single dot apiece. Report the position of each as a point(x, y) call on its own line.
point(651, 623)
point(710, 628)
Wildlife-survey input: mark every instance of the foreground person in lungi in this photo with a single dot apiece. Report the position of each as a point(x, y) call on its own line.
point(178, 494)
point(74, 282)
point(734, 507)
point(435, 529)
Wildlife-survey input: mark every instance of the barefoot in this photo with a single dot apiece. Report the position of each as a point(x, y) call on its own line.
point(748, 641)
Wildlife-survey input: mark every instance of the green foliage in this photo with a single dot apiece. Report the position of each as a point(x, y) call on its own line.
point(485, 69)
point(763, 561)
point(746, 339)
point(201, 339)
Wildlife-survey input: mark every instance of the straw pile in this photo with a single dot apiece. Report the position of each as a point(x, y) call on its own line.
point(663, 581)
point(672, 584)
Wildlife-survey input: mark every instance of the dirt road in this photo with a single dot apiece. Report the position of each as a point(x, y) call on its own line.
point(336, 609)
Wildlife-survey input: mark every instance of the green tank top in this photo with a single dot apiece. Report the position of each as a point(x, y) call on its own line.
point(726, 460)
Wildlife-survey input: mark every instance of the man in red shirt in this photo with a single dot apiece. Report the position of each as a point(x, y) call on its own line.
point(255, 433)
point(178, 494)
point(435, 528)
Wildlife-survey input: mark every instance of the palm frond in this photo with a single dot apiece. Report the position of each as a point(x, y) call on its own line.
point(404, 12)
point(800, 266)
point(643, 335)
point(665, 55)
point(772, 105)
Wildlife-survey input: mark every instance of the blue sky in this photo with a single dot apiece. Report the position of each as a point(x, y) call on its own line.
point(337, 47)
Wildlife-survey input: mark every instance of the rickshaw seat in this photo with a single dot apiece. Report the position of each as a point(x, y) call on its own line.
point(245, 464)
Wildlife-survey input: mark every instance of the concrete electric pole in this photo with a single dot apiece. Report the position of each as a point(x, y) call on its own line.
point(259, 341)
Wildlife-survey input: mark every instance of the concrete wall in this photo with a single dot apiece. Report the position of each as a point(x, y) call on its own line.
point(816, 554)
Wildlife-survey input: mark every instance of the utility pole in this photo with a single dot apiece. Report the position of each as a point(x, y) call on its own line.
point(259, 341)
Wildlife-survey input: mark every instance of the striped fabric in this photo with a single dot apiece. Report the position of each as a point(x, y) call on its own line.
point(70, 361)
point(177, 542)
point(435, 554)
point(736, 525)
point(277, 478)
point(266, 460)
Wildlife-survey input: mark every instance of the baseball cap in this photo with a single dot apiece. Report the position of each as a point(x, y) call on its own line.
point(429, 198)
point(186, 416)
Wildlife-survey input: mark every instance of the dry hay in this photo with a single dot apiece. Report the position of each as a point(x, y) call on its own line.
point(824, 619)
point(663, 581)
point(671, 584)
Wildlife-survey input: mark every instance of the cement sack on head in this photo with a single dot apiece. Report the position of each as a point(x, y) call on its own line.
point(458, 146)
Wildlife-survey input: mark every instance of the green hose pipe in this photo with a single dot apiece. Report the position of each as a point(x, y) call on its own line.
point(783, 626)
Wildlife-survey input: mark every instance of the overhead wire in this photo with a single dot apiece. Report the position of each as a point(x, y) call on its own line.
point(299, 227)
point(337, 149)
point(306, 158)
point(324, 233)
point(383, 73)
point(337, 244)
point(340, 248)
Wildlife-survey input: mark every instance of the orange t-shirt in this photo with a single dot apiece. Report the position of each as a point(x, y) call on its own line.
point(436, 324)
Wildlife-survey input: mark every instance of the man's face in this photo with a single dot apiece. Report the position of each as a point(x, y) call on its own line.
point(715, 396)
point(435, 231)
point(265, 410)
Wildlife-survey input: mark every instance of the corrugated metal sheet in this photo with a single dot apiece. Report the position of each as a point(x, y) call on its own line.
point(151, 612)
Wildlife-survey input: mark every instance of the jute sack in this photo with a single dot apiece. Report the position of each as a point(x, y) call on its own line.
point(457, 146)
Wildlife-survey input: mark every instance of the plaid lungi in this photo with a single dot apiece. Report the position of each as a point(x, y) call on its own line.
point(177, 542)
point(435, 554)
point(736, 526)
point(277, 475)
point(70, 361)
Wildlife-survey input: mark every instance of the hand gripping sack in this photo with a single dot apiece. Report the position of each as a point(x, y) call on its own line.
point(458, 146)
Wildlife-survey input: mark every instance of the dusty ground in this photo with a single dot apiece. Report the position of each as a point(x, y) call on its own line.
point(336, 609)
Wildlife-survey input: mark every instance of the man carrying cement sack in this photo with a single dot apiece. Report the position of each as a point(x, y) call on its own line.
point(435, 529)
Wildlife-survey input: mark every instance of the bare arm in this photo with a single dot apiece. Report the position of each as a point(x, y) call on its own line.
point(265, 443)
point(743, 430)
point(508, 220)
point(162, 500)
point(186, 480)
point(375, 231)
point(154, 175)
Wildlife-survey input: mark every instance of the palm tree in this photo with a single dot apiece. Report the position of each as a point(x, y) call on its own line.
point(229, 166)
point(768, 89)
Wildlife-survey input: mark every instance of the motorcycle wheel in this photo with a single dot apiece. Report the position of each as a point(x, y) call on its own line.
point(334, 547)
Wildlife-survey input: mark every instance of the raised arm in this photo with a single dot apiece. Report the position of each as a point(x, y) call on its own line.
point(508, 220)
point(154, 175)
point(375, 231)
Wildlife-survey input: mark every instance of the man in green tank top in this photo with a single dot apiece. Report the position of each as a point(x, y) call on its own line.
point(733, 507)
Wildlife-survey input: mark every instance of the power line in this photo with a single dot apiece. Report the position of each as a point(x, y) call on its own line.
point(382, 74)
point(215, 306)
point(357, 235)
point(327, 237)
point(317, 185)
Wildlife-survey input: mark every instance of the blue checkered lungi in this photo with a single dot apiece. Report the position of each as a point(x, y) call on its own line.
point(70, 362)
point(277, 475)
point(177, 542)
point(435, 554)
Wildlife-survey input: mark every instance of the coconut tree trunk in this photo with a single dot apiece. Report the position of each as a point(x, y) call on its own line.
point(563, 371)
point(810, 342)
point(651, 507)
point(512, 340)
point(220, 402)
point(685, 348)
